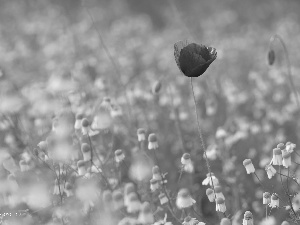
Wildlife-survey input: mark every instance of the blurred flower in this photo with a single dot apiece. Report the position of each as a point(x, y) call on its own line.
point(193, 59)
point(118, 201)
point(184, 200)
point(270, 220)
point(86, 129)
point(277, 157)
point(78, 121)
point(141, 133)
point(68, 190)
point(266, 198)
point(107, 199)
point(24, 166)
point(285, 223)
point(270, 171)
point(128, 221)
point(290, 147)
point(134, 204)
point(154, 185)
point(152, 142)
point(249, 166)
point(81, 168)
point(145, 215)
point(163, 198)
point(119, 155)
point(248, 218)
point(220, 205)
point(86, 152)
point(140, 169)
point(156, 175)
point(221, 133)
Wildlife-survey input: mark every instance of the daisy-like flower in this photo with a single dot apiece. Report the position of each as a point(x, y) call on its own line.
point(274, 201)
point(68, 190)
point(285, 223)
point(248, 218)
point(163, 198)
point(218, 191)
point(78, 120)
point(193, 59)
point(118, 201)
point(128, 189)
point(286, 159)
point(156, 174)
point(154, 185)
point(134, 204)
point(187, 163)
point(81, 168)
point(290, 147)
point(210, 180)
point(220, 205)
point(184, 200)
point(86, 128)
point(210, 194)
point(152, 142)
point(271, 171)
point(145, 215)
point(277, 158)
point(190, 221)
point(249, 166)
point(86, 152)
point(141, 134)
point(119, 155)
point(266, 198)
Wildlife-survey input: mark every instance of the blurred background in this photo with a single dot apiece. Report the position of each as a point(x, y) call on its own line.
point(91, 49)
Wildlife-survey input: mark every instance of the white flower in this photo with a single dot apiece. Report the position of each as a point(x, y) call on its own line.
point(141, 133)
point(266, 198)
point(210, 180)
point(218, 191)
point(248, 218)
point(152, 142)
point(249, 166)
point(274, 201)
point(210, 194)
point(86, 152)
point(145, 215)
point(277, 158)
point(286, 159)
point(270, 171)
point(163, 198)
point(220, 205)
point(184, 200)
point(154, 185)
point(134, 205)
point(119, 156)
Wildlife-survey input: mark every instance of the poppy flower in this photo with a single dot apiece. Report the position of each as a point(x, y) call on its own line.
point(193, 59)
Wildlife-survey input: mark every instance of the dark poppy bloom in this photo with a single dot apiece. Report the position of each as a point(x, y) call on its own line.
point(193, 59)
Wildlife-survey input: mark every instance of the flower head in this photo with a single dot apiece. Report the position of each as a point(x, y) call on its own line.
point(141, 133)
point(220, 205)
point(277, 158)
point(210, 180)
point(145, 215)
point(249, 166)
point(270, 171)
point(248, 218)
point(266, 198)
point(274, 201)
point(210, 194)
point(286, 159)
point(119, 155)
point(152, 142)
point(225, 221)
point(86, 152)
point(184, 200)
point(193, 59)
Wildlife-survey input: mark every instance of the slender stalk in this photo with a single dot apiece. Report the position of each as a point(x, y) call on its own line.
point(201, 138)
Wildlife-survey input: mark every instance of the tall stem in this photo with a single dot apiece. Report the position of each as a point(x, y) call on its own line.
point(201, 137)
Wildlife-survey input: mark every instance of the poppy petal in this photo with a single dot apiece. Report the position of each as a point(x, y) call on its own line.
point(178, 46)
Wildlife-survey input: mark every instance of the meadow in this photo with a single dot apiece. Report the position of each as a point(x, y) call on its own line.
point(104, 119)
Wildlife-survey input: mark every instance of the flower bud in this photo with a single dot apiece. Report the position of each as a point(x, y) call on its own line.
point(156, 87)
point(271, 57)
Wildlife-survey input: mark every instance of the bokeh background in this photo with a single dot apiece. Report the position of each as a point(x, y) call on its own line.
point(88, 50)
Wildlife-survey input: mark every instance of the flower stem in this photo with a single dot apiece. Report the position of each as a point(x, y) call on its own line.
point(201, 137)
